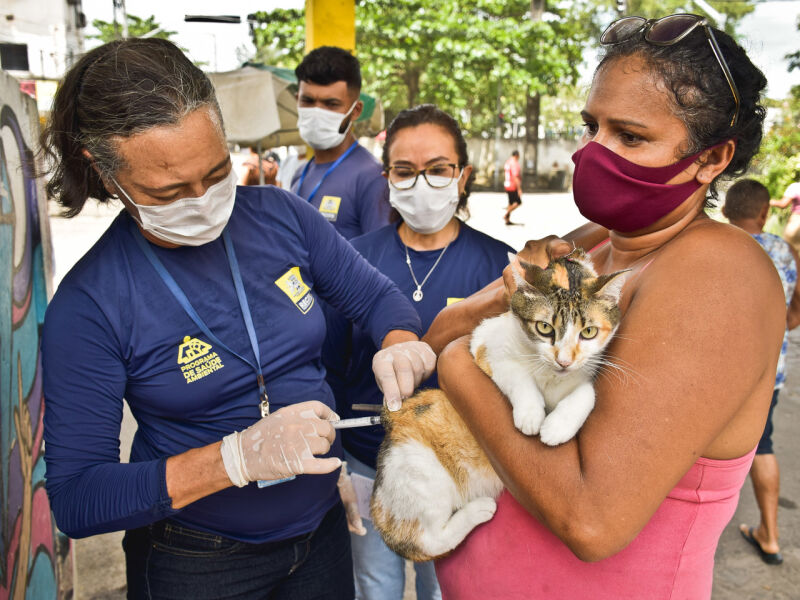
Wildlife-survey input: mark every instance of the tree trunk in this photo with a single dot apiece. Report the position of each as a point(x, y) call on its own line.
point(532, 109)
point(532, 133)
point(411, 78)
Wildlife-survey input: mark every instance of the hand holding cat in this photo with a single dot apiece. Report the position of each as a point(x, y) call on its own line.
point(400, 368)
point(282, 444)
point(537, 252)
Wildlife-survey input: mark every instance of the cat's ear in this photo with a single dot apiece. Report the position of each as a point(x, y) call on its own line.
point(611, 285)
point(580, 256)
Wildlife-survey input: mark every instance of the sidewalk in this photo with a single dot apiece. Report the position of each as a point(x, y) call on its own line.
point(739, 574)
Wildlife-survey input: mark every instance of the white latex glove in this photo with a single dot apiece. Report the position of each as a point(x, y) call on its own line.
point(282, 444)
point(348, 495)
point(400, 368)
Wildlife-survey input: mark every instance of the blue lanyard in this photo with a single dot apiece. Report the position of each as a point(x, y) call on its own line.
point(173, 286)
point(328, 172)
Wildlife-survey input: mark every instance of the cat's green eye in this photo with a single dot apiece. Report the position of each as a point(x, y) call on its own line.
point(589, 332)
point(544, 328)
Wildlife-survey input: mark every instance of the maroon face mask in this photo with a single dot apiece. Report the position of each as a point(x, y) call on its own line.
point(623, 196)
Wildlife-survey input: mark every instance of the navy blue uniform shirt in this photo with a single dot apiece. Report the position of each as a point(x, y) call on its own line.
point(471, 262)
point(114, 330)
point(354, 197)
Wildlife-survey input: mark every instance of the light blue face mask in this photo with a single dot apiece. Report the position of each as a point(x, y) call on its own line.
point(189, 221)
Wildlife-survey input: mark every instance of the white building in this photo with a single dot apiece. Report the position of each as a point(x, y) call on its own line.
point(40, 39)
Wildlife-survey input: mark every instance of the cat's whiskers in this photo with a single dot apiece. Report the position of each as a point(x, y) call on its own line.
point(616, 370)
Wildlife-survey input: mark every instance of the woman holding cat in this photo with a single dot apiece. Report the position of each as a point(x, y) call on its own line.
point(435, 259)
point(634, 505)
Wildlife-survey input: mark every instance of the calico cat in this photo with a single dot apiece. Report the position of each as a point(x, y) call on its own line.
point(434, 484)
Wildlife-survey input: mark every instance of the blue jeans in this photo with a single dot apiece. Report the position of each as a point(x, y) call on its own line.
point(379, 572)
point(169, 561)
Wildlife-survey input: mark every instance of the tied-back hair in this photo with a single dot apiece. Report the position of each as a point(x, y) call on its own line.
point(115, 91)
point(431, 114)
point(701, 95)
point(745, 199)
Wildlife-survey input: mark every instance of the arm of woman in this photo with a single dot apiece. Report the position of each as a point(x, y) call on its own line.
point(784, 202)
point(90, 491)
point(355, 288)
point(462, 317)
point(84, 381)
point(674, 396)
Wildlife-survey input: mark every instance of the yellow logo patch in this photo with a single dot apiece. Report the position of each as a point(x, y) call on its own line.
point(329, 207)
point(453, 300)
point(197, 359)
point(293, 286)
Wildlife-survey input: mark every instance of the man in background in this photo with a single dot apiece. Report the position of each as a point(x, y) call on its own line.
point(747, 206)
point(342, 180)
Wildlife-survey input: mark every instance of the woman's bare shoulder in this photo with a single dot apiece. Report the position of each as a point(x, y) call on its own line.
point(710, 249)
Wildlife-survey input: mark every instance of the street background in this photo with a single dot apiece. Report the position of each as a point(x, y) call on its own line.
point(739, 573)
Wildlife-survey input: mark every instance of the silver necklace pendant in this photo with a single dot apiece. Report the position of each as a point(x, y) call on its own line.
point(417, 295)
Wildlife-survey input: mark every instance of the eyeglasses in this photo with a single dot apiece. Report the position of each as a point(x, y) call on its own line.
point(667, 31)
point(440, 175)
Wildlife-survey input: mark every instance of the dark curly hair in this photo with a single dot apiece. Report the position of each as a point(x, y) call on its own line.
point(700, 93)
point(429, 113)
point(328, 64)
point(115, 91)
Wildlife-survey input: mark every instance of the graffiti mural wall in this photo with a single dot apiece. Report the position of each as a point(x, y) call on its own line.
point(35, 559)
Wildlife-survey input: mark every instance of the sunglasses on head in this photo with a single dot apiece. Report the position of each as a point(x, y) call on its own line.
point(667, 31)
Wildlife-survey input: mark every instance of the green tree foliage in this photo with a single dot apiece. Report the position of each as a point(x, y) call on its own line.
point(451, 53)
point(137, 27)
point(778, 162)
point(733, 10)
point(474, 59)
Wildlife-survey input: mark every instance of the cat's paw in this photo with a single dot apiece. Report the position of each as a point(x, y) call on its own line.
point(528, 417)
point(480, 510)
point(557, 429)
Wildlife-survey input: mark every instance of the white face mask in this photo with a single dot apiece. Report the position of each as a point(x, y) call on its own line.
point(426, 209)
point(189, 221)
point(320, 127)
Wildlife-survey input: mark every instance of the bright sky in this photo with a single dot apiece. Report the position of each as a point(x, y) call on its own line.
point(770, 31)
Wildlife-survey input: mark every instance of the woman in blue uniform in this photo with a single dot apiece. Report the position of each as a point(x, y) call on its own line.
point(436, 260)
point(199, 306)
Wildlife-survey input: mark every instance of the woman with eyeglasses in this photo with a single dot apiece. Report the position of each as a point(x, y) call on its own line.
point(634, 505)
point(436, 260)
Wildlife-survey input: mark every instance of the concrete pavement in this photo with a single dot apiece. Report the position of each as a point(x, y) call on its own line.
point(739, 574)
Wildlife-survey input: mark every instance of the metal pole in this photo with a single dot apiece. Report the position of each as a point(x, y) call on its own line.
point(124, 20)
point(260, 170)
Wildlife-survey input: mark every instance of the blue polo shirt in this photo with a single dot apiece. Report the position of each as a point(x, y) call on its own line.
point(114, 330)
point(471, 262)
point(354, 197)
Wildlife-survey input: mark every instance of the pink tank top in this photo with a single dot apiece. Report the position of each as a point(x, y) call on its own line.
point(514, 557)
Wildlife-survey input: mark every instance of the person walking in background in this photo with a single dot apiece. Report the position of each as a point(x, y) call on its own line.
point(791, 197)
point(512, 182)
point(435, 259)
point(747, 206)
point(342, 180)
